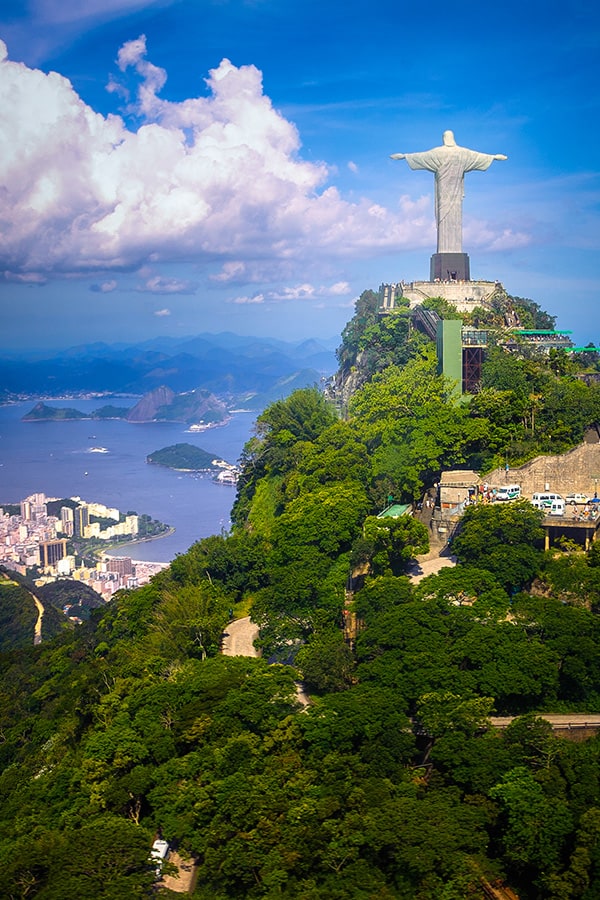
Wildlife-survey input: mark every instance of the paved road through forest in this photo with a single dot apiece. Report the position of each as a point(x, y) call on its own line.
point(239, 638)
point(239, 641)
point(421, 568)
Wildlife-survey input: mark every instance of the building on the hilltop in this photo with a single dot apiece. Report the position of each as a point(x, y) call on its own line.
point(389, 294)
point(457, 487)
point(460, 349)
point(466, 296)
point(460, 354)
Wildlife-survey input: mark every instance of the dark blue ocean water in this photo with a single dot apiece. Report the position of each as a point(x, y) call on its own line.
point(54, 458)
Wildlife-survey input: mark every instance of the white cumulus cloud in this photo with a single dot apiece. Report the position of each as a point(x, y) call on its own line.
point(304, 291)
point(256, 298)
point(156, 284)
point(212, 178)
point(105, 287)
point(299, 292)
point(231, 271)
point(340, 288)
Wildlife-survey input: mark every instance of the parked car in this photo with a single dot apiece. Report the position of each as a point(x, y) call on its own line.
point(577, 499)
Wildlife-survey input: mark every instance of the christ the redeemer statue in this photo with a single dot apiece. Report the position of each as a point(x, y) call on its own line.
point(449, 163)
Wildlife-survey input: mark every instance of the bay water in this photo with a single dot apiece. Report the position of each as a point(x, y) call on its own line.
point(57, 459)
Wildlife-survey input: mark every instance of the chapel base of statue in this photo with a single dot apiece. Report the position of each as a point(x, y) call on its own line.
point(464, 295)
point(450, 267)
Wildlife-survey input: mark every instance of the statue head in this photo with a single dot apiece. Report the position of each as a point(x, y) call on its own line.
point(448, 139)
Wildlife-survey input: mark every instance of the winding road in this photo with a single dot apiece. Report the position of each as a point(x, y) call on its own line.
point(37, 633)
point(239, 638)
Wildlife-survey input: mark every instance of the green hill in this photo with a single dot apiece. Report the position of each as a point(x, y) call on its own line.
point(42, 412)
point(81, 598)
point(18, 615)
point(185, 457)
point(392, 782)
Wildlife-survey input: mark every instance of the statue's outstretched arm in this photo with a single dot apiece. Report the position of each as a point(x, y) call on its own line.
point(397, 155)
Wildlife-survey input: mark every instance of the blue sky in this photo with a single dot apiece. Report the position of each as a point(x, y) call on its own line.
point(181, 166)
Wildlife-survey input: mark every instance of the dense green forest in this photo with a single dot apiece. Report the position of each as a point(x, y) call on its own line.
point(390, 783)
point(18, 612)
point(66, 591)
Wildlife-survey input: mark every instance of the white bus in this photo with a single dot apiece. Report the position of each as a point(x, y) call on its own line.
point(509, 492)
point(545, 499)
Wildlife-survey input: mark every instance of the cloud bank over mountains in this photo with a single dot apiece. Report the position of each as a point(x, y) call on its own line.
point(213, 179)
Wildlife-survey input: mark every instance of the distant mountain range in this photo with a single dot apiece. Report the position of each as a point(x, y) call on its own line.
point(249, 371)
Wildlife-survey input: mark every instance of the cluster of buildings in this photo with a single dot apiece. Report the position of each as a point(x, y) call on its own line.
point(33, 538)
point(76, 522)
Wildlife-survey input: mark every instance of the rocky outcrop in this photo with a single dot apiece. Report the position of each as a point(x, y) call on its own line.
point(193, 407)
point(146, 408)
point(347, 381)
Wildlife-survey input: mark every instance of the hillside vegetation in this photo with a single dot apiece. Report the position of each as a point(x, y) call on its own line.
point(18, 613)
point(182, 456)
point(390, 784)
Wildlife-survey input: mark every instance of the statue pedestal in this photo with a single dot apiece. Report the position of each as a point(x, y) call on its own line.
point(450, 267)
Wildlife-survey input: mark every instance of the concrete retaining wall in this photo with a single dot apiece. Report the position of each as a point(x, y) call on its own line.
point(577, 471)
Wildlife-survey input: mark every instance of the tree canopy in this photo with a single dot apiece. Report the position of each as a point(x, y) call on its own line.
point(391, 782)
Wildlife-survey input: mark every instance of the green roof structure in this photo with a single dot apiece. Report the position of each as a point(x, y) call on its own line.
point(394, 511)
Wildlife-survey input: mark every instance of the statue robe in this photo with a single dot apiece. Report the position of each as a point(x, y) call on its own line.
point(449, 163)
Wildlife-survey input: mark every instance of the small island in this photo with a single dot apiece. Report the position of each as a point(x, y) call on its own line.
point(41, 412)
point(185, 458)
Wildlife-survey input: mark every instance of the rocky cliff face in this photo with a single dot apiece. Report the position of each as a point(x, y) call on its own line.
point(163, 405)
point(348, 380)
point(146, 409)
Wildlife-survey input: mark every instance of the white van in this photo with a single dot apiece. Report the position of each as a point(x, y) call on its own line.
point(509, 492)
point(158, 853)
point(557, 508)
point(545, 499)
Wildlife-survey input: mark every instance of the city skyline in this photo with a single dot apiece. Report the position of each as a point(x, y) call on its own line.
point(171, 168)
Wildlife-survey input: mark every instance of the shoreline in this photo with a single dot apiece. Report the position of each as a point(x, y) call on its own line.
point(144, 540)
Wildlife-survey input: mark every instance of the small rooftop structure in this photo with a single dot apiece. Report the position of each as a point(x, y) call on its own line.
point(395, 510)
point(541, 339)
point(456, 486)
